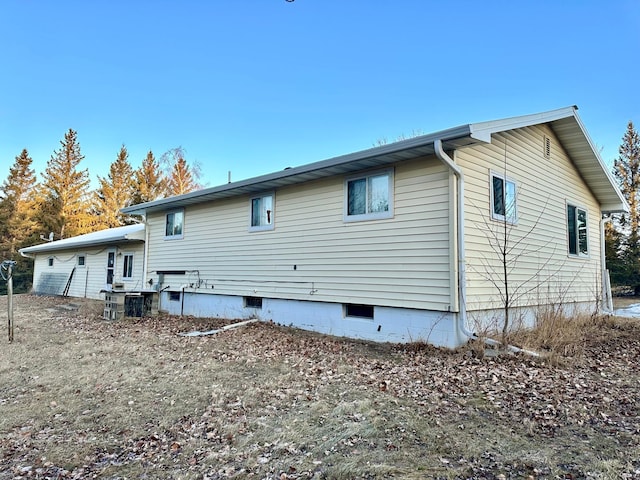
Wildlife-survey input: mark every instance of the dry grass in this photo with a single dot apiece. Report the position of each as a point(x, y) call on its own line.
point(563, 338)
point(84, 398)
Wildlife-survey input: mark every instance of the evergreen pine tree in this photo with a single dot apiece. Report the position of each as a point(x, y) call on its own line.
point(63, 200)
point(627, 171)
point(17, 225)
point(149, 181)
point(16, 204)
point(115, 192)
point(613, 253)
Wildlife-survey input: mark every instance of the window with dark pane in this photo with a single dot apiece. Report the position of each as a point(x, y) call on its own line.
point(577, 231)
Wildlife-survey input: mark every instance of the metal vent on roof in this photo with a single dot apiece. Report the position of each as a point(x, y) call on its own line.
point(546, 147)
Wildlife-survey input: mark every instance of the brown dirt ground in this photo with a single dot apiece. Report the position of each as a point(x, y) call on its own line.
point(81, 397)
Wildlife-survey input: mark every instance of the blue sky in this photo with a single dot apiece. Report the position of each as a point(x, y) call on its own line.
point(255, 86)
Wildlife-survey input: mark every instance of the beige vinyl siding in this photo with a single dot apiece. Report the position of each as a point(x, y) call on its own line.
point(312, 253)
point(90, 279)
point(540, 269)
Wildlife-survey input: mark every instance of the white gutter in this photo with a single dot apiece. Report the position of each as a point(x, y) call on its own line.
point(462, 273)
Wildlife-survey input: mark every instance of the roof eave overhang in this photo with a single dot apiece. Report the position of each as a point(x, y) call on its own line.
point(574, 138)
point(614, 208)
point(563, 121)
point(585, 156)
point(53, 247)
point(376, 157)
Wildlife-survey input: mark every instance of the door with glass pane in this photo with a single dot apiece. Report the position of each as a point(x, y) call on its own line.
point(111, 265)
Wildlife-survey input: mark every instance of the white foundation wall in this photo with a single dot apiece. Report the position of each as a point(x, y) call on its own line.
point(398, 325)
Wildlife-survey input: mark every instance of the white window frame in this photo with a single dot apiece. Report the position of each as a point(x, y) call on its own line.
point(369, 215)
point(577, 207)
point(126, 264)
point(84, 260)
point(271, 213)
point(512, 217)
point(50, 262)
point(176, 236)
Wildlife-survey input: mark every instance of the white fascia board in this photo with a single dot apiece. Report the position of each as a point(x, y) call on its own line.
point(615, 208)
point(483, 130)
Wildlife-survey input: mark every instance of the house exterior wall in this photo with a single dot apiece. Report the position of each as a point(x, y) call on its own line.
point(90, 279)
point(540, 269)
point(312, 254)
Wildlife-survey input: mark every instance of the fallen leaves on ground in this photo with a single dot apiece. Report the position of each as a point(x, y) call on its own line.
point(288, 404)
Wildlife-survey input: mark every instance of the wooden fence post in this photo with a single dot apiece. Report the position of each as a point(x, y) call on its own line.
point(10, 301)
point(8, 266)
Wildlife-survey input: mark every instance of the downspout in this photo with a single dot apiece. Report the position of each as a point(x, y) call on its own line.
point(462, 273)
point(145, 251)
point(607, 300)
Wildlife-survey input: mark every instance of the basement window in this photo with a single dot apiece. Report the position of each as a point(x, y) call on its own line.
point(174, 296)
point(358, 311)
point(253, 302)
